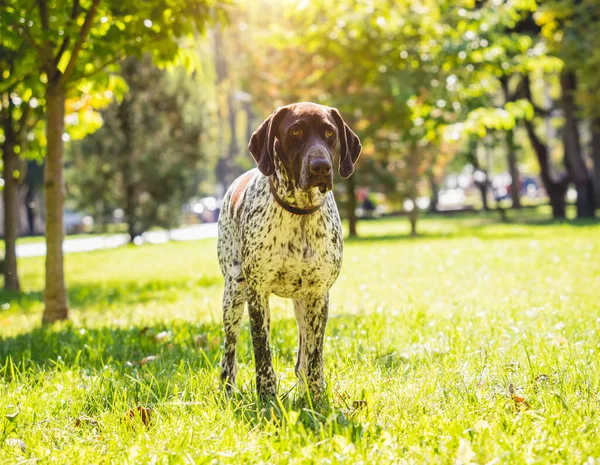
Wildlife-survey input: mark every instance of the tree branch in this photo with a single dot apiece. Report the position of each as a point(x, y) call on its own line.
point(10, 86)
point(103, 66)
point(26, 36)
point(67, 40)
point(23, 120)
point(83, 35)
point(524, 90)
point(43, 14)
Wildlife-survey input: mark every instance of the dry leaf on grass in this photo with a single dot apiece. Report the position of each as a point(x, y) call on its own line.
point(519, 400)
point(149, 358)
point(83, 420)
point(144, 414)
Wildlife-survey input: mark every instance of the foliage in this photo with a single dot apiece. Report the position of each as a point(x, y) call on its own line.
point(418, 366)
point(570, 27)
point(147, 157)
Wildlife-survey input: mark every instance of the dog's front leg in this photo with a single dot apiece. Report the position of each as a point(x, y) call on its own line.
point(311, 314)
point(260, 327)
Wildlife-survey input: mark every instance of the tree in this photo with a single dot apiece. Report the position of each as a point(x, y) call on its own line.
point(146, 157)
point(570, 28)
point(377, 60)
point(19, 114)
point(76, 42)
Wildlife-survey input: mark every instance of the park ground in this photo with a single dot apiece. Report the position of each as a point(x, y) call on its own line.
point(476, 342)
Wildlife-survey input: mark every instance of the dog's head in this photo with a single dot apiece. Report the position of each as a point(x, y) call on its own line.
point(304, 137)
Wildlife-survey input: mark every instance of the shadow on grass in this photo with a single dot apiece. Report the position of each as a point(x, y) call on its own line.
point(105, 294)
point(116, 366)
point(159, 367)
point(95, 348)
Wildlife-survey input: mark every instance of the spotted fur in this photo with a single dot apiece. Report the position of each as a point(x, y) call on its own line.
point(264, 249)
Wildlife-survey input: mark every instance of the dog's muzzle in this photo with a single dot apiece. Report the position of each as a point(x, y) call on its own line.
point(321, 174)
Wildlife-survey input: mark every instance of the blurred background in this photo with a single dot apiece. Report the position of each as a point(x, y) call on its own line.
point(460, 106)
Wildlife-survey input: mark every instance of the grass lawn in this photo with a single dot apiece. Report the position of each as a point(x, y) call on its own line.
point(476, 343)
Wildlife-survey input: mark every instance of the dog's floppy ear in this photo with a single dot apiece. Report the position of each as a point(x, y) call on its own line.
point(263, 139)
point(349, 145)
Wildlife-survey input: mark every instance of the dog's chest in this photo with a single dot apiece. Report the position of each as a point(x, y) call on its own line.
point(296, 254)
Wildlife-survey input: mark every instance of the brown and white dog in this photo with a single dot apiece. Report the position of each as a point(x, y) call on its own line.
point(280, 233)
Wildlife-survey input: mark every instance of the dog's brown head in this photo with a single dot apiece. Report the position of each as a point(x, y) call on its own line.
point(304, 137)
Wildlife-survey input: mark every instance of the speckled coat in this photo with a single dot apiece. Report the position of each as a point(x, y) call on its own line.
point(264, 249)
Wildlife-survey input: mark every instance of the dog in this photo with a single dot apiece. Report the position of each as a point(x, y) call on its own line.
point(280, 233)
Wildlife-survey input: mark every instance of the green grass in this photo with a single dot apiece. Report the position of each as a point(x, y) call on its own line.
point(427, 338)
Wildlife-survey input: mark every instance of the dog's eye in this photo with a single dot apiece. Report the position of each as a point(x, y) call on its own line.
point(329, 133)
point(296, 133)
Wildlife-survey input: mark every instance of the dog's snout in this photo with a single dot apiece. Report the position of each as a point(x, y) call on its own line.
point(320, 167)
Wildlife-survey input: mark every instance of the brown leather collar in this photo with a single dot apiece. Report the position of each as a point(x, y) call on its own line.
point(291, 208)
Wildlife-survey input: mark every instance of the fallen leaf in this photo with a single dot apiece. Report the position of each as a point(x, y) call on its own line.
point(83, 420)
point(519, 400)
point(142, 413)
point(14, 442)
point(149, 358)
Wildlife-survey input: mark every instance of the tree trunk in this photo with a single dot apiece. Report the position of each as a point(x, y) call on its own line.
point(556, 190)
point(413, 217)
point(572, 148)
point(413, 167)
point(11, 217)
point(232, 117)
point(434, 193)
point(127, 159)
point(596, 157)
point(249, 119)
point(351, 206)
point(56, 302)
point(483, 188)
point(29, 198)
point(515, 184)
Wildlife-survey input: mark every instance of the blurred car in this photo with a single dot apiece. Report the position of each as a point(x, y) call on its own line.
point(502, 186)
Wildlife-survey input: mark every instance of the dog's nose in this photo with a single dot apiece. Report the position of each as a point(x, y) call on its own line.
point(320, 167)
